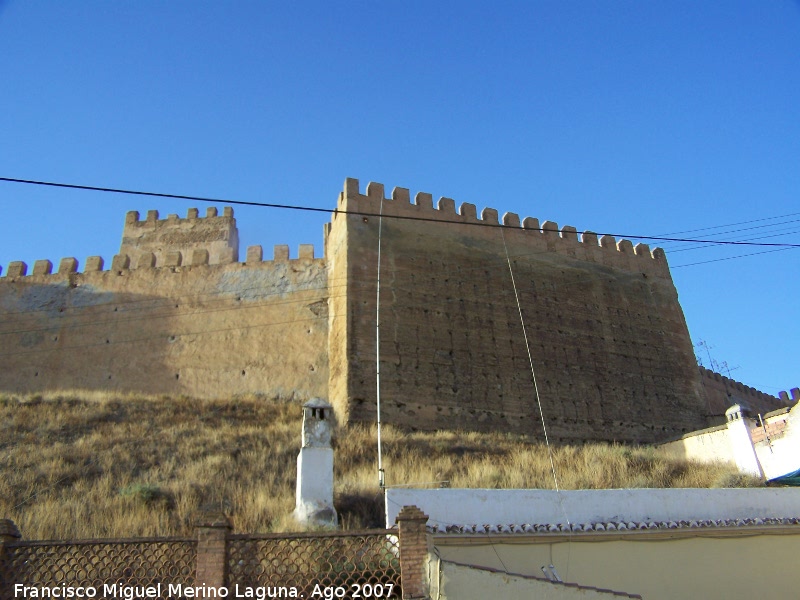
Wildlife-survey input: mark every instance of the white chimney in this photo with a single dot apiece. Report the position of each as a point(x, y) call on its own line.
point(314, 504)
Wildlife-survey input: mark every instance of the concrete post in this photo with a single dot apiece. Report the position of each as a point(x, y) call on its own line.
point(414, 550)
point(212, 550)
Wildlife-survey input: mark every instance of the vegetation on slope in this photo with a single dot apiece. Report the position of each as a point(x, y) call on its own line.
point(86, 465)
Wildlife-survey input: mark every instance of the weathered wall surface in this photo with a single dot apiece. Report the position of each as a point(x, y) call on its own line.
point(175, 313)
point(154, 242)
point(339, 344)
point(610, 346)
point(659, 566)
point(211, 331)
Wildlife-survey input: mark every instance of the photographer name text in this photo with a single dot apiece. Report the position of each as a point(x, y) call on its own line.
point(177, 590)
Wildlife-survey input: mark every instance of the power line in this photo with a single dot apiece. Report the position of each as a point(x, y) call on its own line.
point(766, 231)
point(754, 227)
point(778, 233)
point(365, 214)
point(93, 188)
point(734, 224)
point(703, 262)
point(195, 304)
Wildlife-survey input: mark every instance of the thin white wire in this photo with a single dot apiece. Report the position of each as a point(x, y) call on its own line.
point(530, 361)
point(539, 403)
point(381, 480)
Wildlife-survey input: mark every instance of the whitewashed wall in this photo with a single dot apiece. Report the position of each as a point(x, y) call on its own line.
point(492, 507)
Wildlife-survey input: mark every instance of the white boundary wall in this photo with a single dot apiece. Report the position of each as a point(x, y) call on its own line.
point(769, 458)
point(504, 507)
point(706, 445)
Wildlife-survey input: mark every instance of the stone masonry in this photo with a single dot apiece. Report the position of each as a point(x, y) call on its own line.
point(176, 313)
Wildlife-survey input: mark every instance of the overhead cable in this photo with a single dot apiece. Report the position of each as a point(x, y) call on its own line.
point(366, 214)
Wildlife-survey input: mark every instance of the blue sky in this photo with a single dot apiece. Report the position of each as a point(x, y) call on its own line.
point(639, 118)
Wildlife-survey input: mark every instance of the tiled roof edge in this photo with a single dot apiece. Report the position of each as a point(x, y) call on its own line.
point(528, 528)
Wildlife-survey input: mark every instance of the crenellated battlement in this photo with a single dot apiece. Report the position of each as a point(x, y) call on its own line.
point(737, 393)
point(193, 214)
point(174, 261)
point(163, 238)
point(548, 235)
point(614, 356)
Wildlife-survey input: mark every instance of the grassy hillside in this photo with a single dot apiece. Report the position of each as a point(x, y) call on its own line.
point(84, 464)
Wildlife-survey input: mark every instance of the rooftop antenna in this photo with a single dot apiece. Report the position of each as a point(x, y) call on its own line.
point(724, 366)
point(704, 344)
point(381, 474)
point(718, 367)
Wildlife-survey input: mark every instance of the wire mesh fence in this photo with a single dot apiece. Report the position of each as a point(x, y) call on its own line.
point(366, 561)
point(348, 560)
point(97, 564)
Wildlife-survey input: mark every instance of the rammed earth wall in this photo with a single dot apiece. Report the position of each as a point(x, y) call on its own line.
point(177, 314)
point(609, 342)
point(186, 327)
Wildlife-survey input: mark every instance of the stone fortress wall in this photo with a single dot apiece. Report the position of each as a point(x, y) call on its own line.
point(176, 313)
point(162, 320)
point(609, 342)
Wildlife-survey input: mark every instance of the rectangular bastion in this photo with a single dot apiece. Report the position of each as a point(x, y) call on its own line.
point(215, 234)
point(610, 347)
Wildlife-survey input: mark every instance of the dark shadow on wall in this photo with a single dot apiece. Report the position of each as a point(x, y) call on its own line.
point(68, 334)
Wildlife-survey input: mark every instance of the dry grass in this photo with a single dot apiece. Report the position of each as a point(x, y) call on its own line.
point(83, 464)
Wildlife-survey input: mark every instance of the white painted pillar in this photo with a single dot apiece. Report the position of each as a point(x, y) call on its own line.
point(314, 499)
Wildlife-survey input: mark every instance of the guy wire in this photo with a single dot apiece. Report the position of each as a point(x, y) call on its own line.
point(381, 475)
point(530, 361)
point(538, 399)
